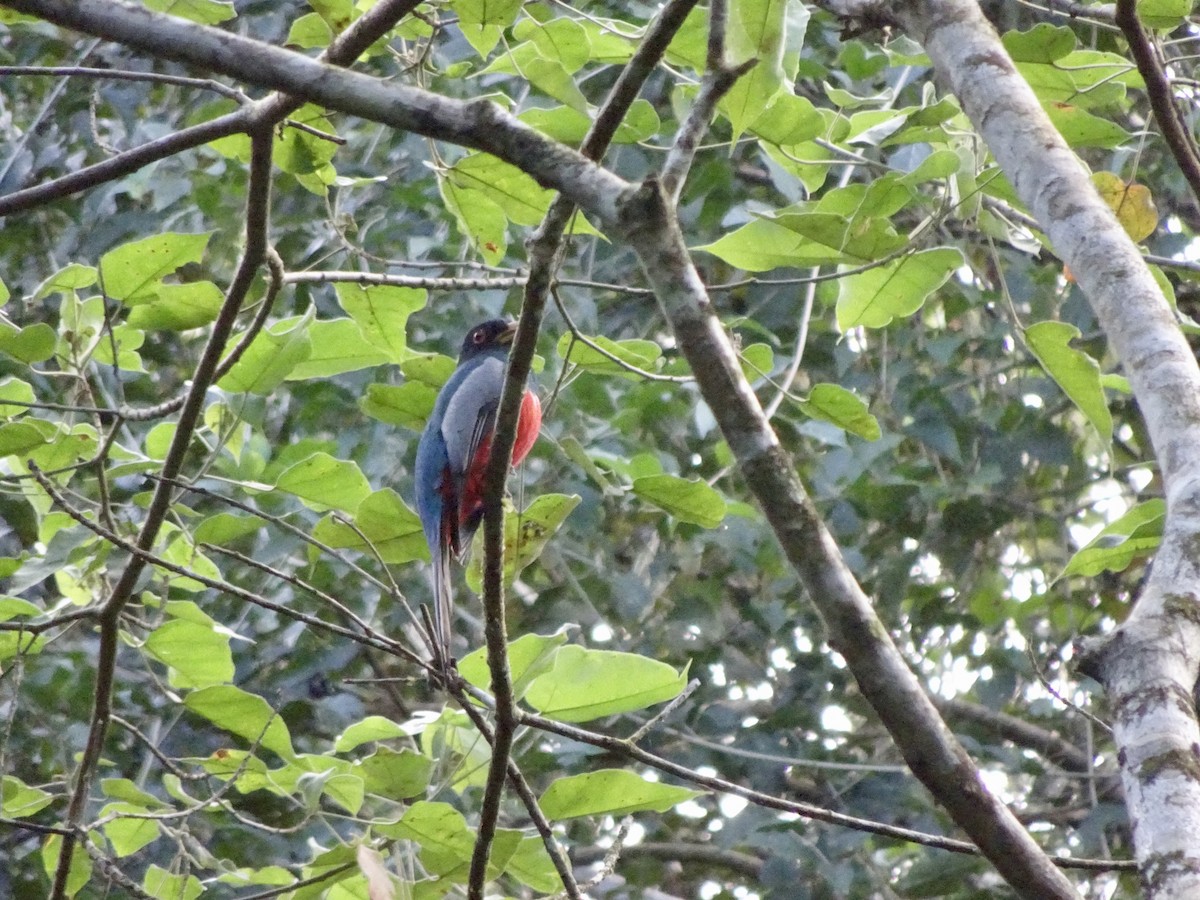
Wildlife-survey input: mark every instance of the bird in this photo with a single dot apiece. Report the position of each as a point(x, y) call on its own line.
point(453, 454)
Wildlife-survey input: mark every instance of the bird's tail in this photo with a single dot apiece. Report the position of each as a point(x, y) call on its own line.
point(443, 608)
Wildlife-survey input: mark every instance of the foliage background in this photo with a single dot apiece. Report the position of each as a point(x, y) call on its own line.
point(960, 501)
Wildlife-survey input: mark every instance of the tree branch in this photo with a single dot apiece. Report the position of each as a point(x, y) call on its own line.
point(1162, 99)
point(930, 750)
point(345, 49)
point(257, 218)
point(1149, 665)
point(480, 124)
point(700, 854)
point(545, 248)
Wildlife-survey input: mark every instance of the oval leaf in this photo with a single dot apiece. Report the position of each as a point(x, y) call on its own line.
point(612, 792)
point(688, 501)
point(590, 684)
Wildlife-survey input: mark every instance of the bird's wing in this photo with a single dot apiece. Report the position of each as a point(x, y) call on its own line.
point(471, 413)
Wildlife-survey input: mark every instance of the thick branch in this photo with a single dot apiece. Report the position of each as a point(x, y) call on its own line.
point(344, 50)
point(1149, 666)
point(930, 750)
point(479, 124)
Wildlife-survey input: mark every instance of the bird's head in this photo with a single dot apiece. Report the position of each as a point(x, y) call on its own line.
point(494, 334)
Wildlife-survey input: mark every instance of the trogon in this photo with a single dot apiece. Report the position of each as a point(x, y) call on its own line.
point(453, 454)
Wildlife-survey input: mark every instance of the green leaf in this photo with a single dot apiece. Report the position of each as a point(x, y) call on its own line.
point(833, 403)
point(591, 684)
point(613, 792)
point(789, 120)
point(529, 656)
point(197, 654)
point(561, 39)
point(896, 289)
point(270, 358)
point(1044, 43)
point(381, 312)
point(246, 715)
point(323, 482)
point(806, 239)
point(69, 278)
point(225, 528)
point(526, 534)
point(479, 217)
point(308, 31)
point(1074, 371)
point(124, 789)
point(15, 607)
point(757, 361)
point(1134, 535)
point(634, 352)
point(432, 369)
point(177, 307)
point(1163, 15)
point(132, 271)
point(408, 405)
point(128, 835)
point(31, 344)
point(17, 799)
point(206, 12)
point(487, 12)
point(338, 346)
point(757, 31)
point(517, 194)
point(80, 870)
point(1081, 128)
point(397, 775)
point(15, 643)
point(441, 831)
point(531, 865)
point(391, 528)
point(178, 548)
point(302, 153)
point(18, 438)
point(372, 728)
point(15, 389)
point(164, 885)
point(454, 742)
point(688, 501)
point(569, 125)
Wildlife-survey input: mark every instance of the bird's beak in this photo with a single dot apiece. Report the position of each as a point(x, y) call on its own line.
point(507, 335)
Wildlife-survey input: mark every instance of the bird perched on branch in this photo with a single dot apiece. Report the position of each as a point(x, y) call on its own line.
point(453, 455)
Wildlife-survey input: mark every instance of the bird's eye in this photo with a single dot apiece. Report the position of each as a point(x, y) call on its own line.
point(477, 337)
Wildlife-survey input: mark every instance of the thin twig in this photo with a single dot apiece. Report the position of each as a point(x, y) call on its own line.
point(345, 49)
point(207, 84)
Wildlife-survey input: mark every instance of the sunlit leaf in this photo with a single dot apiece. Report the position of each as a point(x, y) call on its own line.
point(614, 792)
point(686, 500)
point(326, 483)
point(590, 684)
point(899, 288)
point(131, 271)
point(245, 715)
point(1076, 372)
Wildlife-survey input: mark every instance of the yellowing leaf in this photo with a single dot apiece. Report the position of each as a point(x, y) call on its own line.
point(1132, 203)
